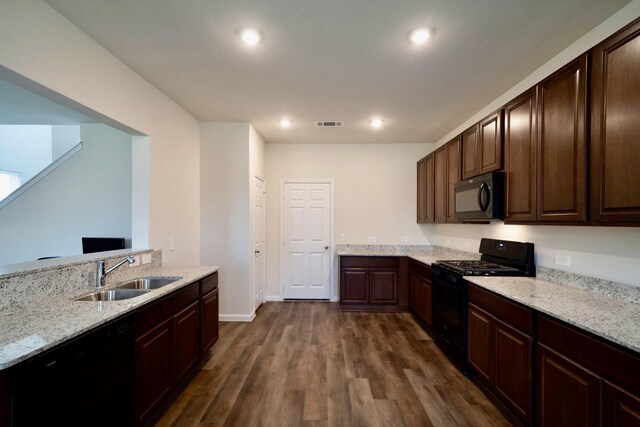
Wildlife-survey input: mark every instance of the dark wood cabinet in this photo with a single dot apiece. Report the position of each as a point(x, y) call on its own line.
point(490, 142)
point(545, 149)
point(420, 291)
point(186, 342)
point(561, 151)
point(482, 146)
point(520, 147)
point(578, 374)
point(615, 128)
point(209, 321)
point(500, 347)
point(373, 283)
point(440, 184)
point(453, 150)
point(470, 150)
point(426, 188)
point(568, 394)
point(619, 407)
point(153, 369)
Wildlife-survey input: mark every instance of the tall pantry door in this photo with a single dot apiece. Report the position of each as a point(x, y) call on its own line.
point(306, 244)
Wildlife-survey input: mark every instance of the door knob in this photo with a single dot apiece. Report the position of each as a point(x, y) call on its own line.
point(257, 252)
point(326, 247)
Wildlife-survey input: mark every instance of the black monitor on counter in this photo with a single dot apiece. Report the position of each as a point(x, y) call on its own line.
point(101, 244)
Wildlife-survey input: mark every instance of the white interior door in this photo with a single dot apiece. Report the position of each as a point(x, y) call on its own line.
point(306, 240)
point(258, 230)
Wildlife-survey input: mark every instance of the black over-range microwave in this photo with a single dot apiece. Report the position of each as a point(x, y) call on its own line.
point(480, 198)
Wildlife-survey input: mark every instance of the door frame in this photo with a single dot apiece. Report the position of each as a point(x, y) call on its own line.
point(253, 241)
point(332, 290)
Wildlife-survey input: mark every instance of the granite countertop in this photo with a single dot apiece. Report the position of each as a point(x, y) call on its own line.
point(43, 324)
point(607, 309)
point(610, 318)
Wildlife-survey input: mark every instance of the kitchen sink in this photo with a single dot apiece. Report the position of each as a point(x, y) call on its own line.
point(147, 283)
point(113, 295)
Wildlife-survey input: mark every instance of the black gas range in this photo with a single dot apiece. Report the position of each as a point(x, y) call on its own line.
point(449, 290)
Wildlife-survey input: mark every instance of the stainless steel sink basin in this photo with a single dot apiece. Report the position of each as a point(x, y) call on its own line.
point(148, 283)
point(113, 295)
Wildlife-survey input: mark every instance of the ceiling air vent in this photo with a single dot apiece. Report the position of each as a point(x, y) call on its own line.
point(329, 124)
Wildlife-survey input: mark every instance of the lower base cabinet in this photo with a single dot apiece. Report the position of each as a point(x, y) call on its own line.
point(420, 291)
point(209, 321)
point(584, 380)
point(186, 341)
point(371, 283)
point(499, 349)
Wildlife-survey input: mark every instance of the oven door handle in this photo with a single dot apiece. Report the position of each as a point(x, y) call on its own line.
point(484, 197)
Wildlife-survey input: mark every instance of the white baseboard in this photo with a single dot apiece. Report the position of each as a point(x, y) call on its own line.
point(274, 298)
point(237, 317)
point(334, 299)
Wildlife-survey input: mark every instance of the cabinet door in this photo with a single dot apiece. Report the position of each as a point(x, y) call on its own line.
point(425, 301)
point(414, 293)
point(490, 143)
point(422, 191)
point(512, 377)
point(153, 369)
point(384, 286)
point(620, 408)
point(440, 184)
point(520, 148)
point(209, 320)
point(354, 285)
point(480, 343)
point(568, 394)
point(562, 159)
point(430, 215)
point(186, 344)
point(470, 156)
point(453, 174)
point(615, 128)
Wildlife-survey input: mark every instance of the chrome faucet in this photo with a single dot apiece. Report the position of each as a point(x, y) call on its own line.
point(101, 273)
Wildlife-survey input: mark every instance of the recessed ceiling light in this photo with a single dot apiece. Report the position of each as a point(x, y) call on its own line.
point(420, 35)
point(376, 123)
point(285, 123)
point(250, 37)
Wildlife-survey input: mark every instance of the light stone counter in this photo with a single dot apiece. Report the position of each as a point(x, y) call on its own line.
point(607, 309)
point(42, 324)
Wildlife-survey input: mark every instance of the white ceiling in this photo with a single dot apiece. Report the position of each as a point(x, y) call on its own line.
point(336, 59)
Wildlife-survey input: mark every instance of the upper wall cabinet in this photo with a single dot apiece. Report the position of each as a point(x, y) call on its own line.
point(440, 183)
point(520, 147)
point(453, 151)
point(426, 190)
point(615, 128)
point(562, 159)
point(482, 146)
point(545, 149)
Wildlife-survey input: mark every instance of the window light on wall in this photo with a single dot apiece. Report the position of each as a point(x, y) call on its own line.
point(9, 182)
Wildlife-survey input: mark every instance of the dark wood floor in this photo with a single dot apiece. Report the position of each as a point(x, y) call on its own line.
point(307, 363)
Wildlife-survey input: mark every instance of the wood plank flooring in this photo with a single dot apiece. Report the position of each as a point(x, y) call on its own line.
point(308, 364)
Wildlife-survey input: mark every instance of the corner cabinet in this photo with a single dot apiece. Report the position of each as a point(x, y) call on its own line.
point(615, 128)
point(370, 283)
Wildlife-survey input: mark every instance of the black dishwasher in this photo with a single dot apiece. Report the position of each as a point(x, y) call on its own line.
point(85, 381)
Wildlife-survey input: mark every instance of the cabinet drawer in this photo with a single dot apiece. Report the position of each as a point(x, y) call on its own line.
point(209, 283)
point(508, 311)
point(368, 261)
point(613, 363)
point(166, 307)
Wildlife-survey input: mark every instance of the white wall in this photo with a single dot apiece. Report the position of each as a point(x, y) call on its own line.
point(225, 211)
point(88, 195)
point(609, 253)
point(375, 193)
point(25, 149)
point(41, 45)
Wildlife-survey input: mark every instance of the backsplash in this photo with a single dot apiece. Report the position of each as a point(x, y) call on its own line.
point(23, 287)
